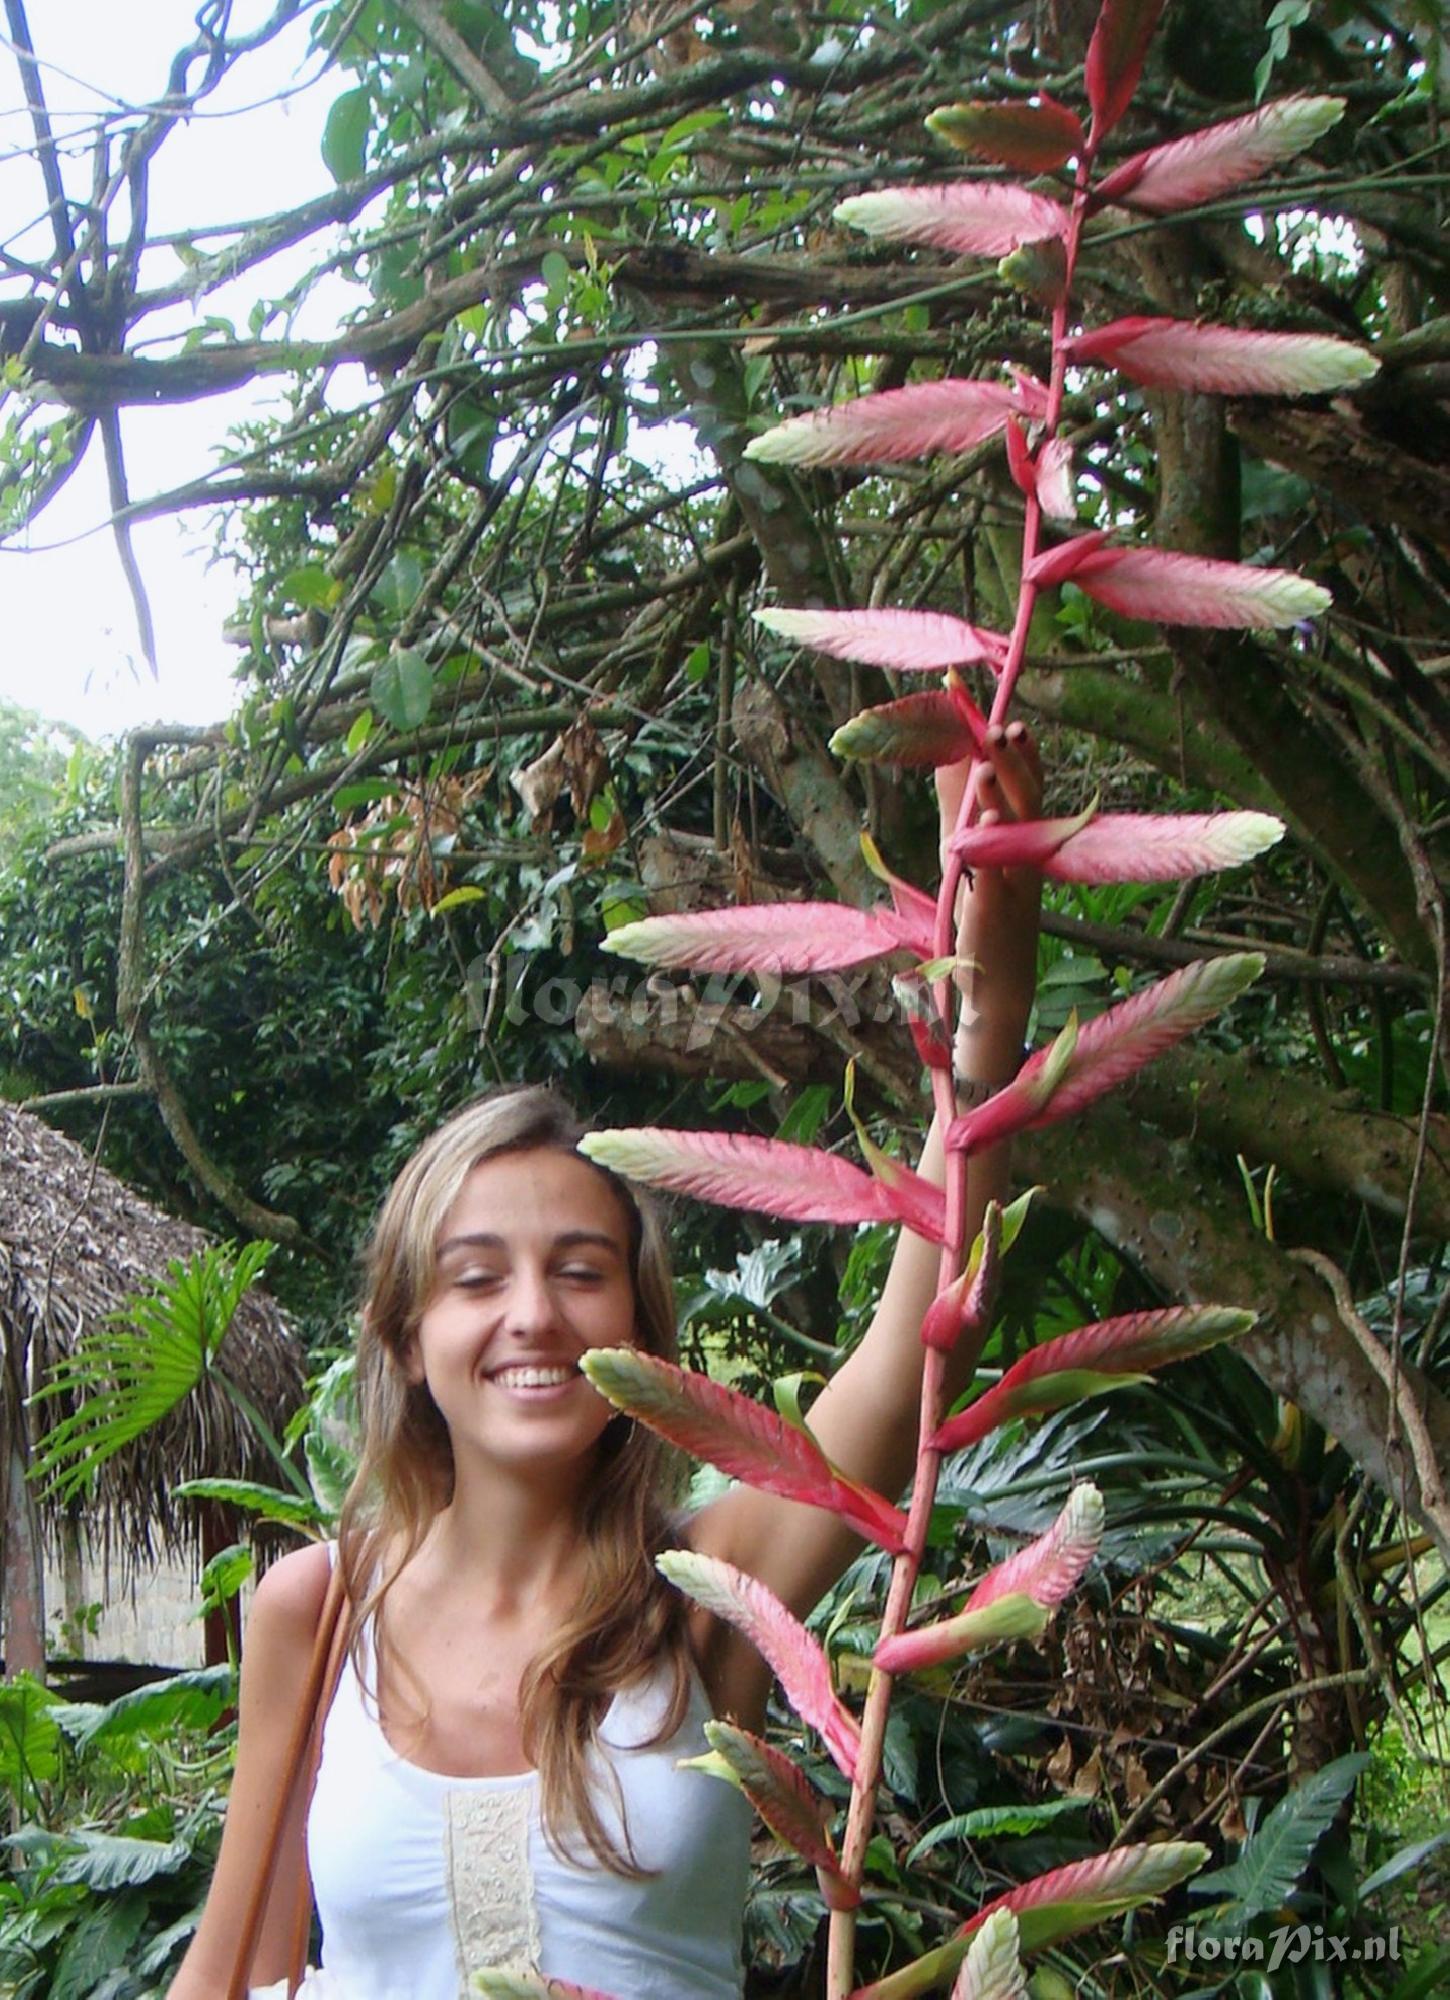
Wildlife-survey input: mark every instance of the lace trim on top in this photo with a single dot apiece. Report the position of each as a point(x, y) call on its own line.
point(490, 1880)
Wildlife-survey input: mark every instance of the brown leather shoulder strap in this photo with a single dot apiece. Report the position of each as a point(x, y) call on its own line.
point(303, 1748)
point(302, 1921)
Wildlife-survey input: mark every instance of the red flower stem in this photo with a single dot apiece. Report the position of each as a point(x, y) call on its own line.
point(841, 1950)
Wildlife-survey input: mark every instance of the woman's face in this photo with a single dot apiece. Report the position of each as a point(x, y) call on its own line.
point(533, 1267)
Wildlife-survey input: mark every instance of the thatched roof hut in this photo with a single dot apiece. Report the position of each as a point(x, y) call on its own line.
point(75, 1243)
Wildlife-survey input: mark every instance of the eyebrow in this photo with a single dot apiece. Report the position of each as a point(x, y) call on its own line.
point(571, 1239)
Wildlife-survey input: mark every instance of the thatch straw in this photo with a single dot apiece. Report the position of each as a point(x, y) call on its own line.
point(75, 1243)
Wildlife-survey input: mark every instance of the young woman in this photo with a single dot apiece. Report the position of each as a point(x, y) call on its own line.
point(498, 1786)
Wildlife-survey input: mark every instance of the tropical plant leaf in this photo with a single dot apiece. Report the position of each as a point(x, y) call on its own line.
point(1276, 1853)
point(992, 1969)
point(1180, 590)
point(1054, 1906)
point(795, 1658)
point(973, 218)
point(1052, 1085)
point(329, 1431)
point(920, 729)
point(1224, 360)
point(1122, 847)
point(908, 642)
point(1109, 1353)
point(268, 1503)
point(29, 1735)
point(1035, 137)
point(1048, 1568)
point(100, 1940)
point(952, 415)
point(994, 1823)
point(141, 1362)
point(190, 1700)
point(1208, 163)
point(767, 937)
point(1401, 1863)
point(740, 1436)
point(1017, 1616)
point(103, 1861)
point(784, 1798)
point(1115, 59)
point(741, 1172)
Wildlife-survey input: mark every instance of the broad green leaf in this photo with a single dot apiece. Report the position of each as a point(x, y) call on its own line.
point(191, 1701)
point(223, 1577)
point(312, 587)
point(345, 135)
point(363, 792)
point(994, 1823)
point(402, 689)
point(361, 730)
point(142, 1361)
point(29, 1735)
point(114, 1861)
point(1278, 1851)
point(468, 892)
point(269, 1503)
point(1400, 1864)
point(100, 1941)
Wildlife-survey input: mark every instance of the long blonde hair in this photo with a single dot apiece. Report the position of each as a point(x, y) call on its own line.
point(627, 1616)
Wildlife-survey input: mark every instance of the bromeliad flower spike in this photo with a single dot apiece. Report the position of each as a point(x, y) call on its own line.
point(1038, 234)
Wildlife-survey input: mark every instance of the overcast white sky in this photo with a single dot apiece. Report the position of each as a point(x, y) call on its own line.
point(70, 647)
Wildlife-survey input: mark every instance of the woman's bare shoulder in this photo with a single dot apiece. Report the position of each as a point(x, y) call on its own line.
point(288, 1599)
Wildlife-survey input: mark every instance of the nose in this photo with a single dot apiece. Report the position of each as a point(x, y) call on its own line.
point(531, 1307)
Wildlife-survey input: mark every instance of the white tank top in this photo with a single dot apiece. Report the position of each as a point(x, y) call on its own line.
point(422, 1880)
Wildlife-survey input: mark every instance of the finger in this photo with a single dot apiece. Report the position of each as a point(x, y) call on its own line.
point(986, 787)
point(1025, 743)
point(1020, 787)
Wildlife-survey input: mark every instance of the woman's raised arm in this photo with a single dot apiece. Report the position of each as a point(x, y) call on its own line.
point(275, 1659)
point(866, 1418)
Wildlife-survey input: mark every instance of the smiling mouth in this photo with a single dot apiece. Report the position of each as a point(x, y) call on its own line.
point(533, 1378)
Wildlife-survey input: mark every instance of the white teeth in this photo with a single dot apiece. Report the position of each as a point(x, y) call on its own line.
point(534, 1378)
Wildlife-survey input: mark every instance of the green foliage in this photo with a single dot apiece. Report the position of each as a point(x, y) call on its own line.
point(130, 1373)
point(1276, 1854)
point(122, 1817)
